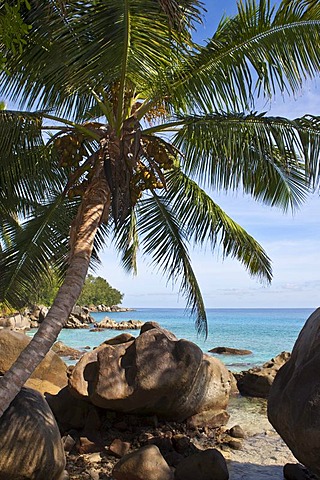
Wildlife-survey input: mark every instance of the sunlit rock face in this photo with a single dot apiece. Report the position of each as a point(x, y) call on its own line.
point(154, 374)
point(294, 400)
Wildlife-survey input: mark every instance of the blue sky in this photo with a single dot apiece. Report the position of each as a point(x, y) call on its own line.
point(292, 241)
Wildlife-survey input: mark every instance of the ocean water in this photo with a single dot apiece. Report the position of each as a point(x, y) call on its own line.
point(266, 332)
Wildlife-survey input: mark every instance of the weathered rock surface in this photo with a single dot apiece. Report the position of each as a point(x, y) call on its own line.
point(229, 351)
point(207, 465)
point(257, 381)
point(145, 463)
point(113, 325)
point(294, 400)
point(73, 413)
point(30, 442)
point(79, 318)
point(15, 322)
point(50, 376)
point(154, 374)
point(64, 351)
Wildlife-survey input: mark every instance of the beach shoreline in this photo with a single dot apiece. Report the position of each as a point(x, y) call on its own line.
point(264, 453)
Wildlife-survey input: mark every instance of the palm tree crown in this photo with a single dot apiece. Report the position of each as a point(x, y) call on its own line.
point(139, 122)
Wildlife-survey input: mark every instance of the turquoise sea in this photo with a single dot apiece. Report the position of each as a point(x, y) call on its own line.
point(266, 332)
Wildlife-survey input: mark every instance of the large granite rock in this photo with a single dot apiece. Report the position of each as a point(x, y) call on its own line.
point(30, 442)
point(257, 381)
point(79, 318)
point(154, 374)
point(294, 400)
point(206, 465)
point(50, 376)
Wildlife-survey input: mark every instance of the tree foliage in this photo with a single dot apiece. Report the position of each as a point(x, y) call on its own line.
point(13, 30)
point(126, 124)
point(97, 291)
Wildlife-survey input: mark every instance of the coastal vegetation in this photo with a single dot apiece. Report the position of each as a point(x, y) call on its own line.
point(97, 291)
point(120, 138)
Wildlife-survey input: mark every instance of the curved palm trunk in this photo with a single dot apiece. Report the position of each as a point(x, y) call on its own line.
point(95, 201)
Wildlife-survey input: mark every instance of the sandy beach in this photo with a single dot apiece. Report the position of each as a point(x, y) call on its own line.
point(264, 453)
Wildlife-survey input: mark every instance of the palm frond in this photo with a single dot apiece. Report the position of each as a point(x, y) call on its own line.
point(257, 52)
point(28, 167)
point(205, 222)
point(104, 44)
point(308, 132)
point(41, 243)
point(262, 155)
point(127, 242)
point(162, 238)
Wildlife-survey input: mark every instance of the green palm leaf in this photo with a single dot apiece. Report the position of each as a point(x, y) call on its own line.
point(40, 244)
point(264, 156)
point(27, 166)
point(253, 53)
point(162, 237)
point(127, 43)
point(205, 222)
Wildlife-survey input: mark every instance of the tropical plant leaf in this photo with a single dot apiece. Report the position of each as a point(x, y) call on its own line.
point(205, 222)
point(41, 244)
point(28, 167)
point(105, 44)
point(163, 239)
point(255, 53)
point(127, 242)
point(264, 156)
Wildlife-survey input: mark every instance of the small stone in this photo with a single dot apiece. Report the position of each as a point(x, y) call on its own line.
point(208, 464)
point(118, 448)
point(163, 443)
point(94, 457)
point(140, 465)
point(68, 443)
point(94, 474)
point(235, 444)
point(87, 446)
point(237, 432)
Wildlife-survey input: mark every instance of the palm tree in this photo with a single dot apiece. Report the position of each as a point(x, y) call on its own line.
point(126, 122)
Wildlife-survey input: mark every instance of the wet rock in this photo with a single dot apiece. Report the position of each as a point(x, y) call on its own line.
point(257, 381)
point(64, 351)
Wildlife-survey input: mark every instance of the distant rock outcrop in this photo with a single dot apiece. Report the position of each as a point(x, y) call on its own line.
point(294, 400)
point(229, 351)
point(257, 381)
point(113, 325)
point(154, 373)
